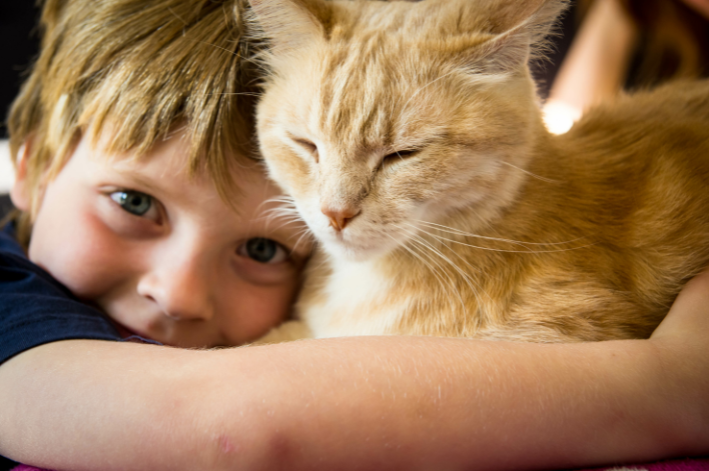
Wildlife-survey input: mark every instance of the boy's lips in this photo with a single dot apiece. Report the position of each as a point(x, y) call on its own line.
point(125, 332)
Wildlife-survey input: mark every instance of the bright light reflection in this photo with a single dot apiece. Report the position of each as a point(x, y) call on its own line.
point(559, 116)
point(7, 173)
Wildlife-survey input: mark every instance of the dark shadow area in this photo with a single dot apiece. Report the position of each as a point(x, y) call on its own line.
point(20, 42)
point(544, 71)
point(5, 205)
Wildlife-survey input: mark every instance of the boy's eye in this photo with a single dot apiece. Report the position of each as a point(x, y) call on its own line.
point(132, 201)
point(263, 250)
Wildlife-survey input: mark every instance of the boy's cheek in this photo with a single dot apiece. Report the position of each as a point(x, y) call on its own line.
point(259, 311)
point(83, 254)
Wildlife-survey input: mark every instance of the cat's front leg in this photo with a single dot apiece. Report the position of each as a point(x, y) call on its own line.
point(286, 332)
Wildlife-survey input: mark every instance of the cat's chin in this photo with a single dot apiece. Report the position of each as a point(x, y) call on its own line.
point(349, 252)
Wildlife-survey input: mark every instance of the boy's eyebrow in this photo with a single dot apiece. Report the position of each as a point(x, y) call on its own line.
point(150, 183)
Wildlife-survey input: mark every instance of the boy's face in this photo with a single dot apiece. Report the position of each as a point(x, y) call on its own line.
point(162, 254)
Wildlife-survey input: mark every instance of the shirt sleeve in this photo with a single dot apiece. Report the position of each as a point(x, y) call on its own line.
point(36, 309)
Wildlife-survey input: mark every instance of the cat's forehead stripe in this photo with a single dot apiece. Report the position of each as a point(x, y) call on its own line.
point(355, 96)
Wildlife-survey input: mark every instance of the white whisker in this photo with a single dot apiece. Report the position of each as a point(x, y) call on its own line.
point(284, 212)
point(534, 175)
point(415, 238)
point(434, 271)
point(529, 251)
point(303, 234)
point(475, 290)
point(451, 230)
point(454, 70)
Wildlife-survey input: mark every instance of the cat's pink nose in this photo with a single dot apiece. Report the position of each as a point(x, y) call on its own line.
point(339, 217)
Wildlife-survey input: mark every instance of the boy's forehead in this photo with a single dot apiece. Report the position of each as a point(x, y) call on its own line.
point(166, 166)
point(171, 157)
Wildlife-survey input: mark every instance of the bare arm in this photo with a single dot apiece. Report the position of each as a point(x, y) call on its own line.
point(596, 65)
point(366, 403)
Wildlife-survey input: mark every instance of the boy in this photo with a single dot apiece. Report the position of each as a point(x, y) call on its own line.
point(144, 74)
point(134, 183)
point(131, 206)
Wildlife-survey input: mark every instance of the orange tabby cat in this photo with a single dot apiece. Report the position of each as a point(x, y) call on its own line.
point(410, 138)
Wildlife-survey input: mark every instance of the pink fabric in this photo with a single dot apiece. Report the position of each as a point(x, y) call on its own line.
point(695, 464)
point(699, 464)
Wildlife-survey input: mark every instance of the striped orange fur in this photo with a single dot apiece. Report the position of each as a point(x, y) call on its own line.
point(470, 219)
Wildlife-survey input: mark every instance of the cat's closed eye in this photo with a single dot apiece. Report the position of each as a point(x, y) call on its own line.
point(307, 145)
point(399, 155)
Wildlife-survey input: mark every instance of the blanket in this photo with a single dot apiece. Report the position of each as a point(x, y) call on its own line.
point(688, 464)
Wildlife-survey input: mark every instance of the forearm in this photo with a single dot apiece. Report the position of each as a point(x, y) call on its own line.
point(388, 402)
point(463, 404)
point(104, 405)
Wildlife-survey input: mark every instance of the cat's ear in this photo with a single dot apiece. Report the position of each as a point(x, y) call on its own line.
point(288, 24)
point(516, 30)
point(501, 16)
point(499, 55)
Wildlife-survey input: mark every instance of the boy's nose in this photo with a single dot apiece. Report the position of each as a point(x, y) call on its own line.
point(181, 290)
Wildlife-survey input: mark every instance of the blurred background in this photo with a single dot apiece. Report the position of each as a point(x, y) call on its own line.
point(19, 39)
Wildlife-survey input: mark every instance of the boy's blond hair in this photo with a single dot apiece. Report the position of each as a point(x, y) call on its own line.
point(142, 68)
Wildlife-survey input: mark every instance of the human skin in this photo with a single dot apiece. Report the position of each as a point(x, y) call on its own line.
point(364, 403)
point(700, 6)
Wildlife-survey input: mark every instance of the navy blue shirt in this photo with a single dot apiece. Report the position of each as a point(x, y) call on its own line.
point(36, 309)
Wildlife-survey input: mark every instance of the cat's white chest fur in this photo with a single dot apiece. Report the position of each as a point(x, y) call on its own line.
point(356, 300)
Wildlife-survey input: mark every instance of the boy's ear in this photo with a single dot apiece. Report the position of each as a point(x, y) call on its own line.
point(20, 193)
